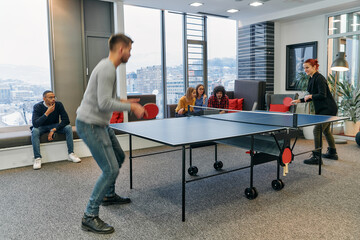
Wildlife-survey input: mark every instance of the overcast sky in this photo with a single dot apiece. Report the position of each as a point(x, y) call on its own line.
point(23, 44)
point(143, 26)
point(20, 42)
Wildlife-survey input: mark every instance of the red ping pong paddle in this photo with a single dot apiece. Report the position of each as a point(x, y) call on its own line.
point(286, 156)
point(151, 110)
point(287, 101)
point(286, 159)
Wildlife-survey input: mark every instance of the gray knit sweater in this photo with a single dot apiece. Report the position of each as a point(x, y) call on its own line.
point(99, 101)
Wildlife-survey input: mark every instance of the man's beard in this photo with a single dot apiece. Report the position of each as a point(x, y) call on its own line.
point(124, 60)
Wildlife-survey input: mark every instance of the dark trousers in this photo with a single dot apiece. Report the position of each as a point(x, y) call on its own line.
point(326, 130)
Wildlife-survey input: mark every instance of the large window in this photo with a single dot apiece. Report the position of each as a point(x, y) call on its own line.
point(221, 44)
point(175, 84)
point(211, 60)
point(143, 70)
point(344, 36)
point(24, 59)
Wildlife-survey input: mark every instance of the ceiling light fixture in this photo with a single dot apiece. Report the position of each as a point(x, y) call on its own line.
point(232, 10)
point(256, 4)
point(196, 4)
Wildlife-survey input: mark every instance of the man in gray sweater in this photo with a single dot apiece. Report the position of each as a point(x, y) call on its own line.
point(92, 124)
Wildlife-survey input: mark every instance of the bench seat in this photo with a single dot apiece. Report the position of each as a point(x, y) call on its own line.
point(21, 136)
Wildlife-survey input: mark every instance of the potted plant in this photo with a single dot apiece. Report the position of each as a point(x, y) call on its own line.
point(302, 81)
point(348, 99)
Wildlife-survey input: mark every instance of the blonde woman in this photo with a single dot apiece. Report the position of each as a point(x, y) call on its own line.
point(189, 99)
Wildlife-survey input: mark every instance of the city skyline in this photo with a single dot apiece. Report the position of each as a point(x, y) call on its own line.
point(22, 94)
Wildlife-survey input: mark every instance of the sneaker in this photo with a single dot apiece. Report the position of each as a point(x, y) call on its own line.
point(95, 225)
point(37, 163)
point(331, 154)
point(115, 200)
point(72, 157)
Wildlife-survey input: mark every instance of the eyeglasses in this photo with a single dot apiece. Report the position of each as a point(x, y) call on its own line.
point(52, 97)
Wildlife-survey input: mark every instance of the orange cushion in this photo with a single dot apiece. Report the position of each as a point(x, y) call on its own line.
point(278, 108)
point(240, 103)
point(233, 104)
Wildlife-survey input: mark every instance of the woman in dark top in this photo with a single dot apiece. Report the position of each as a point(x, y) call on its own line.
point(324, 104)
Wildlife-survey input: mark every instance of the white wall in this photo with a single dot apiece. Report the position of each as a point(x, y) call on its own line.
point(57, 151)
point(293, 32)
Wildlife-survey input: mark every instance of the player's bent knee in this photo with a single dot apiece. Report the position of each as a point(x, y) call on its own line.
point(35, 132)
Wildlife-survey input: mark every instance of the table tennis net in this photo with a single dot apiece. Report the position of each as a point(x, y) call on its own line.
point(252, 117)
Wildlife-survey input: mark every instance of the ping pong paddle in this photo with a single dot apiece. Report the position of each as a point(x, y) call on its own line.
point(287, 101)
point(286, 159)
point(152, 111)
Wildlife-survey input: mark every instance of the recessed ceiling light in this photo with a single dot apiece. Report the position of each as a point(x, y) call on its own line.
point(232, 10)
point(196, 4)
point(256, 4)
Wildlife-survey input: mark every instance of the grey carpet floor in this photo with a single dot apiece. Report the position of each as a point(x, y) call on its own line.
point(49, 203)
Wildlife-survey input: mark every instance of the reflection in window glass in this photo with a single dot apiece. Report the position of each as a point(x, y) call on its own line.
point(351, 46)
point(344, 23)
point(24, 59)
point(143, 71)
point(221, 42)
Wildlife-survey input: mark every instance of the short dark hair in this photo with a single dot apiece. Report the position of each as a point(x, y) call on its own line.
point(119, 38)
point(219, 89)
point(46, 92)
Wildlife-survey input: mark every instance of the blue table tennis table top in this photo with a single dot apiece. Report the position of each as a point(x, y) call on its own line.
point(200, 129)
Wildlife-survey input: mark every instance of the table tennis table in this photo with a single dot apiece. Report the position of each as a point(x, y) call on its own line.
point(228, 128)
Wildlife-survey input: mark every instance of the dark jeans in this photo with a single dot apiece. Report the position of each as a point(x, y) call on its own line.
point(109, 156)
point(182, 115)
point(326, 130)
point(37, 132)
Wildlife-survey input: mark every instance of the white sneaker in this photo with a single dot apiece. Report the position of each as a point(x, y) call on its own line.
point(72, 157)
point(37, 163)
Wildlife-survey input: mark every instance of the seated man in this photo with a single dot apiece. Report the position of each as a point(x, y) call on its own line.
point(45, 119)
point(219, 99)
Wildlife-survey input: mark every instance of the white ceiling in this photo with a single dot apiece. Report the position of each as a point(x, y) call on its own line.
point(271, 10)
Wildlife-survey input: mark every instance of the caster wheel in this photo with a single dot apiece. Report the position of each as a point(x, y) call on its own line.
point(277, 184)
point(218, 165)
point(251, 193)
point(193, 170)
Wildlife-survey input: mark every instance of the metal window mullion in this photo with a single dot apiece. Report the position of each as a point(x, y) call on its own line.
point(163, 61)
point(205, 67)
point(185, 46)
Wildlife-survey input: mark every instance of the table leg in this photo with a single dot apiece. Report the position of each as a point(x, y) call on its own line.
point(252, 161)
point(183, 183)
point(130, 160)
point(320, 151)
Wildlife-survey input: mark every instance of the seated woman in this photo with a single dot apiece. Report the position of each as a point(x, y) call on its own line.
point(219, 99)
point(200, 99)
point(189, 99)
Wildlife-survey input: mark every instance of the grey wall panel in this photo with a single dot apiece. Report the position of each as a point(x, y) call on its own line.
point(98, 16)
point(67, 54)
point(98, 27)
point(97, 49)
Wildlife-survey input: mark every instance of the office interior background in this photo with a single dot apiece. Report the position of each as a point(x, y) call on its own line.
point(58, 43)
